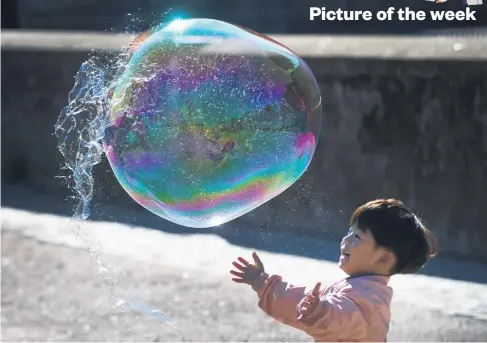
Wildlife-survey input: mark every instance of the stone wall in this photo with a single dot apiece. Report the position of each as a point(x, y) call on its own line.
point(410, 128)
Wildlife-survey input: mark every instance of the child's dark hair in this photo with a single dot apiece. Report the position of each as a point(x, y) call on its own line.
point(396, 228)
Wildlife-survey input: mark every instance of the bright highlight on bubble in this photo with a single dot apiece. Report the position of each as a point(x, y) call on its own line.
point(209, 121)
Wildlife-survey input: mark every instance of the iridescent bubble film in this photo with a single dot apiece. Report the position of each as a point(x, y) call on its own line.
point(210, 120)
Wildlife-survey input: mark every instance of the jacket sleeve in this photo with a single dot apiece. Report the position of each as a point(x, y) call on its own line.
point(279, 299)
point(338, 316)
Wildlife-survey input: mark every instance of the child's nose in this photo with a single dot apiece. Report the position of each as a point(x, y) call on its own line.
point(345, 239)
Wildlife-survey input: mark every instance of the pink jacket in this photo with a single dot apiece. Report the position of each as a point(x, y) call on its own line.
point(353, 309)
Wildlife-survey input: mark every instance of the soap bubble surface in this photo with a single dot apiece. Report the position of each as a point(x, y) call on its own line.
point(208, 121)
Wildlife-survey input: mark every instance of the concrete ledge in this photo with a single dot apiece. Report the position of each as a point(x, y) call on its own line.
point(409, 122)
point(400, 47)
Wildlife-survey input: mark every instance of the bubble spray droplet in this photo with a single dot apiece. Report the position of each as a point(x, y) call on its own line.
point(80, 129)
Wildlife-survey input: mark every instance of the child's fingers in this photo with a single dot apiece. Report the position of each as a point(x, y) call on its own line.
point(238, 266)
point(309, 298)
point(306, 304)
point(309, 302)
point(239, 274)
point(312, 299)
point(238, 280)
point(243, 261)
point(257, 260)
point(307, 308)
point(316, 290)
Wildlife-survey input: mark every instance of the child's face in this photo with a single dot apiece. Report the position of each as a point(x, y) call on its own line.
point(359, 253)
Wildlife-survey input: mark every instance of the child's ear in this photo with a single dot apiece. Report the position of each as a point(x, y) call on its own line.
point(387, 258)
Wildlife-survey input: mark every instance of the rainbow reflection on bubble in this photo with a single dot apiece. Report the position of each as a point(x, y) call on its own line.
point(210, 120)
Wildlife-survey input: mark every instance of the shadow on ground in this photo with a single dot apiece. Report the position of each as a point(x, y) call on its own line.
point(237, 232)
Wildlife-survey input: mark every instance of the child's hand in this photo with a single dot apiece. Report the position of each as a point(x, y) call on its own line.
point(308, 306)
point(248, 272)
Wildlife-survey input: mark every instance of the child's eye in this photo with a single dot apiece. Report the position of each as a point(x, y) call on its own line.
point(356, 236)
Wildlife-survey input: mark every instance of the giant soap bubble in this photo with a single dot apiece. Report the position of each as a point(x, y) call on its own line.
point(210, 120)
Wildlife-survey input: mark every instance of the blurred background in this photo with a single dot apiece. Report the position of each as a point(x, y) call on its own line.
point(404, 116)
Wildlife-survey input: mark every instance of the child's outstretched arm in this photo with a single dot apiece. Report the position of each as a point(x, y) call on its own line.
point(350, 313)
point(277, 298)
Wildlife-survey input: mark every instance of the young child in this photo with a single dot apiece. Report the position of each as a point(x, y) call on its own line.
point(385, 238)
